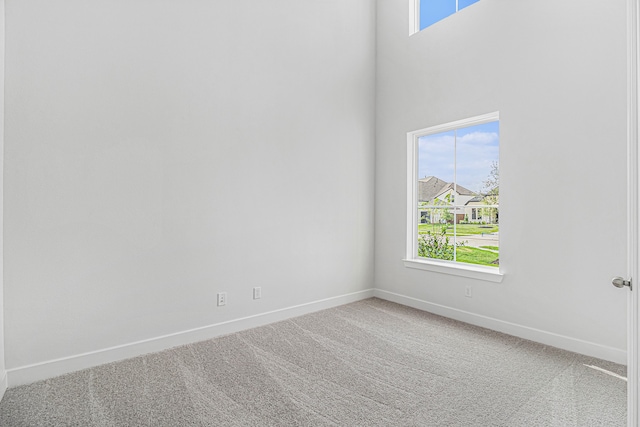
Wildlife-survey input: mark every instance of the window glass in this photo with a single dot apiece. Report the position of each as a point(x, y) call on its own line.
point(432, 11)
point(436, 156)
point(457, 191)
point(477, 148)
point(464, 3)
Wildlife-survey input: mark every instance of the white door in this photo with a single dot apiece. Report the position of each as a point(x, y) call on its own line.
point(633, 217)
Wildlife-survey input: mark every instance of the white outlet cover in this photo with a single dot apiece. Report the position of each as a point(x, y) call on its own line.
point(222, 298)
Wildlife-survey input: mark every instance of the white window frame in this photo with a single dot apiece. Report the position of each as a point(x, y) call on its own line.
point(412, 260)
point(414, 17)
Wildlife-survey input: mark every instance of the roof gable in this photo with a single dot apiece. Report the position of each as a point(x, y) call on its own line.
point(431, 187)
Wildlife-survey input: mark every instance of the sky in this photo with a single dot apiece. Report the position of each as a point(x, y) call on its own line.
point(432, 11)
point(469, 154)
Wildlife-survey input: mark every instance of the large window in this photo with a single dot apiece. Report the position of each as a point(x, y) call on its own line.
point(428, 12)
point(453, 195)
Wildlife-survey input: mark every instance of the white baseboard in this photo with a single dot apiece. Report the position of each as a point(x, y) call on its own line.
point(53, 368)
point(3, 383)
point(544, 337)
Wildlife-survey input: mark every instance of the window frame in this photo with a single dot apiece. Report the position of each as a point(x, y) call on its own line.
point(411, 259)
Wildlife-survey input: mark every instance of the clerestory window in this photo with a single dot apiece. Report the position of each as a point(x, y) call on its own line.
point(428, 12)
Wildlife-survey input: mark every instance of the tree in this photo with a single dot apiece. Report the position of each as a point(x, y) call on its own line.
point(491, 185)
point(447, 214)
point(490, 192)
point(437, 211)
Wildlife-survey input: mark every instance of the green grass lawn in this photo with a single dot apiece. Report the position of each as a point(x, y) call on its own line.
point(493, 248)
point(473, 255)
point(461, 229)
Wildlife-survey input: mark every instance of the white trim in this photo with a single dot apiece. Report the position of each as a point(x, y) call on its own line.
point(633, 219)
point(412, 196)
point(52, 368)
point(490, 274)
point(3, 384)
point(463, 123)
point(544, 337)
point(414, 17)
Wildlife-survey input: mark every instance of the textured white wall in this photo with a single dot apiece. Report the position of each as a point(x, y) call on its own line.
point(158, 152)
point(556, 72)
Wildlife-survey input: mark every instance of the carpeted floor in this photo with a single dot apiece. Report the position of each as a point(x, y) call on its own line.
point(370, 363)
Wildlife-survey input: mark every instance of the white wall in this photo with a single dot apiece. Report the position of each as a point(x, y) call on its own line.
point(158, 152)
point(556, 72)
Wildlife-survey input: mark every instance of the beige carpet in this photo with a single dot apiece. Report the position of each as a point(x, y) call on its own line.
point(370, 363)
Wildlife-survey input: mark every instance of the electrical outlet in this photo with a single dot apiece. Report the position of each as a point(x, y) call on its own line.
point(467, 292)
point(257, 292)
point(222, 298)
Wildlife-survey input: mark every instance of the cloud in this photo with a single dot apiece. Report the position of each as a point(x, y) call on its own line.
point(478, 138)
point(475, 151)
point(436, 156)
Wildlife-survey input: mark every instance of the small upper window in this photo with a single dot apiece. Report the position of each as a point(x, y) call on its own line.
point(431, 11)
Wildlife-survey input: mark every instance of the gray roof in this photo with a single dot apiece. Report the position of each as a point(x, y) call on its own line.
point(476, 199)
point(431, 187)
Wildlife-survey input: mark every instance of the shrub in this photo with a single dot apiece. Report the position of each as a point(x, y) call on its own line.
point(436, 245)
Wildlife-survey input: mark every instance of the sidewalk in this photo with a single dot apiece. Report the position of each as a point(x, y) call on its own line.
point(477, 240)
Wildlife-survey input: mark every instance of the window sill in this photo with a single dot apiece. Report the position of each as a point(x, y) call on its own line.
point(479, 272)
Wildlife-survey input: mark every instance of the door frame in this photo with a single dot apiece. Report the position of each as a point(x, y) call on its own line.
point(633, 218)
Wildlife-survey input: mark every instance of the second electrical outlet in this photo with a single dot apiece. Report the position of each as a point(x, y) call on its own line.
point(257, 292)
point(222, 298)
